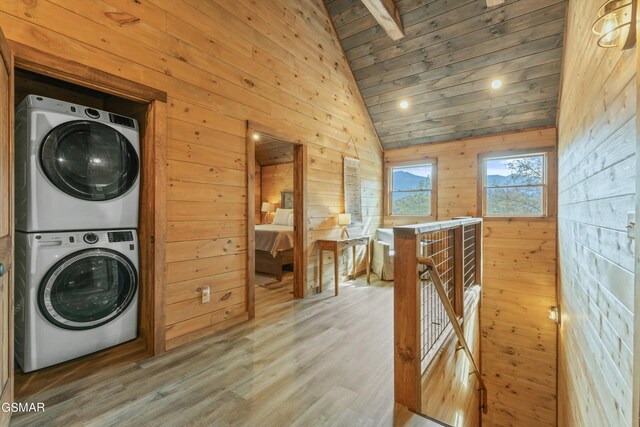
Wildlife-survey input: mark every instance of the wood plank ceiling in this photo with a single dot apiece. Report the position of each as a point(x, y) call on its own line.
point(444, 66)
point(273, 152)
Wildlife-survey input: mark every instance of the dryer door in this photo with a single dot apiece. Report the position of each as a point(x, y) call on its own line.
point(89, 160)
point(87, 289)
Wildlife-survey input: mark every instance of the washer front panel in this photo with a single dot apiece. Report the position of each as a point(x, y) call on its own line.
point(87, 289)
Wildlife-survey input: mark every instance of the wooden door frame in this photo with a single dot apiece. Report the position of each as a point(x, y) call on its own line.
point(299, 209)
point(7, 393)
point(152, 227)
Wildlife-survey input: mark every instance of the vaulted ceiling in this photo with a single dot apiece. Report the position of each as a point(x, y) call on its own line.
point(444, 66)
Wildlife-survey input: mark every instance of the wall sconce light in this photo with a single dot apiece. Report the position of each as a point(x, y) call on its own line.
point(344, 219)
point(616, 24)
point(554, 313)
point(267, 208)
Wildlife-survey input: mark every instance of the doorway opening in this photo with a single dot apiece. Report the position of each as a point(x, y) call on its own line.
point(276, 215)
point(35, 78)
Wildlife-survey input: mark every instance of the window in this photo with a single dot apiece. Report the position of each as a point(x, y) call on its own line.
point(515, 185)
point(412, 189)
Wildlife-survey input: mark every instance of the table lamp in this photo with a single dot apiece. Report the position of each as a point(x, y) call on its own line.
point(344, 220)
point(267, 208)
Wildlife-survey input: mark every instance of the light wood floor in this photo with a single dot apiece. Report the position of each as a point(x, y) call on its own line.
point(324, 360)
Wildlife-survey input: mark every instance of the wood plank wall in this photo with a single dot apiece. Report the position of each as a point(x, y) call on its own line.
point(276, 179)
point(221, 62)
point(518, 340)
point(597, 172)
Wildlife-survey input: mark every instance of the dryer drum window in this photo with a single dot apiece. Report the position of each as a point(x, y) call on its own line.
point(89, 160)
point(87, 289)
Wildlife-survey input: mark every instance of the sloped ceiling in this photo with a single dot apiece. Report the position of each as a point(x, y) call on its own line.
point(444, 66)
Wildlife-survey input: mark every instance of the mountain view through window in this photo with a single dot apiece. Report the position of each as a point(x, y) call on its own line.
point(411, 190)
point(514, 186)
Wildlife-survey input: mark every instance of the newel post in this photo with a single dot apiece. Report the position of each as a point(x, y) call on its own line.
point(406, 320)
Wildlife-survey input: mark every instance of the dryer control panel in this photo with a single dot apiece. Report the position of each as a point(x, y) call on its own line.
point(120, 236)
point(82, 112)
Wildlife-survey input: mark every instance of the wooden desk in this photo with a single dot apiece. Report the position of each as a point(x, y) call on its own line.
point(336, 246)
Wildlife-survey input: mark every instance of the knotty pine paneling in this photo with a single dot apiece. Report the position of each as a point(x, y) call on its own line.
point(597, 175)
point(221, 63)
point(518, 340)
point(276, 179)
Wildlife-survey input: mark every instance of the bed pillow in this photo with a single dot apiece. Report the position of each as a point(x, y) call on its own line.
point(282, 216)
point(290, 221)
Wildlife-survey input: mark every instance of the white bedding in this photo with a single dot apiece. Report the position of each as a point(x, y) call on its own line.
point(274, 238)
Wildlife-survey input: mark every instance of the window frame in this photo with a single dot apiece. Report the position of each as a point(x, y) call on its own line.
point(548, 185)
point(433, 162)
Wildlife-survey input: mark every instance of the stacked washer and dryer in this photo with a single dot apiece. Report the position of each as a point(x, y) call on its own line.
point(76, 262)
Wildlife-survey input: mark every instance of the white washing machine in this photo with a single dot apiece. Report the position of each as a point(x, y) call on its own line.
point(75, 293)
point(76, 168)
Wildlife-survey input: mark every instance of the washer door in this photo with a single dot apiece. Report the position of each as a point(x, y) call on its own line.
point(87, 289)
point(89, 160)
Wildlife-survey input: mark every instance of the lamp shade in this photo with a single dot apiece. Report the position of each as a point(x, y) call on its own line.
point(344, 219)
point(267, 207)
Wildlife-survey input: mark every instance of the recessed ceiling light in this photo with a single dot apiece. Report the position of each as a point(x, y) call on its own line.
point(496, 84)
point(404, 105)
point(256, 136)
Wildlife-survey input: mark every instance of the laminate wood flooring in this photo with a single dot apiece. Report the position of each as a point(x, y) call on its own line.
point(323, 360)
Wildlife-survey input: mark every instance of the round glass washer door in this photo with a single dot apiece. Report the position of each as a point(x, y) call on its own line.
point(87, 289)
point(89, 160)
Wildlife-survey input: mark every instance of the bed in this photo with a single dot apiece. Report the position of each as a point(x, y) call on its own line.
point(274, 248)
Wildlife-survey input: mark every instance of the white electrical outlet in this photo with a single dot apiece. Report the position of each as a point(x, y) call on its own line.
point(206, 294)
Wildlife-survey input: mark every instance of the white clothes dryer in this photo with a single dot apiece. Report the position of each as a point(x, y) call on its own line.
point(76, 168)
point(75, 293)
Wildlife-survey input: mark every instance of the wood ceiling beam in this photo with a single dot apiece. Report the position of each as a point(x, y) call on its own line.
point(387, 15)
point(492, 3)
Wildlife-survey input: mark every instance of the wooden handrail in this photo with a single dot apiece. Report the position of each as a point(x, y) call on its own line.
point(430, 227)
point(442, 293)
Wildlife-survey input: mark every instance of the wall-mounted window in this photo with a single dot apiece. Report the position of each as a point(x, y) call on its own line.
point(515, 185)
point(412, 189)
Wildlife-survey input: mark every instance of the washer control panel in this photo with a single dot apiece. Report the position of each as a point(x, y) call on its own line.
point(85, 239)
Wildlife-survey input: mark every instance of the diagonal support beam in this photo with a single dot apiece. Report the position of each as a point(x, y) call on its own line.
point(387, 15)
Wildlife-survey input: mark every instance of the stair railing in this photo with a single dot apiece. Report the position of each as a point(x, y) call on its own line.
point(432, 272)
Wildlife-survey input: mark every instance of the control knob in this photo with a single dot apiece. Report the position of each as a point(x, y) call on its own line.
point(91, 238)
point(93, 113)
